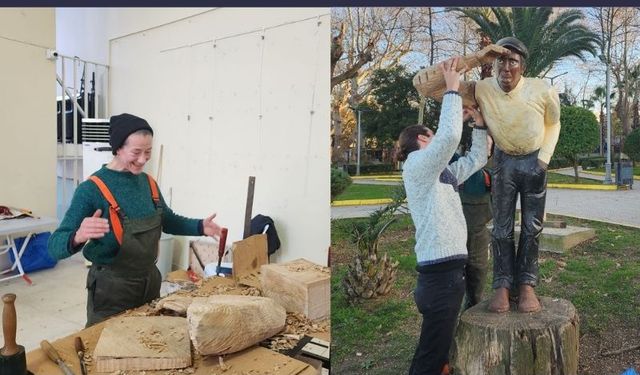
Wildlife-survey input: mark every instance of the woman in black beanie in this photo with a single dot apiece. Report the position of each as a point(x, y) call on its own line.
point(116, 218)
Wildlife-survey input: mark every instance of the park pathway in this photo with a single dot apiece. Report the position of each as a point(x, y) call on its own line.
point(614, 206)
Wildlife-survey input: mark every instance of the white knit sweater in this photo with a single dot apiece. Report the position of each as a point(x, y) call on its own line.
point(436, 211)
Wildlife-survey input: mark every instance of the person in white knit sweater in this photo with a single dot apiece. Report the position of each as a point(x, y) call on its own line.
point(431, 185)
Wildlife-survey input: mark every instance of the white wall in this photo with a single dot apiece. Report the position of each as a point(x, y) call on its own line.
point(228, 109)
point(28, 114)
point(85, 32)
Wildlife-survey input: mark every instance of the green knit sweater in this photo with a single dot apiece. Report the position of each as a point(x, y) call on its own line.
point(133, 194)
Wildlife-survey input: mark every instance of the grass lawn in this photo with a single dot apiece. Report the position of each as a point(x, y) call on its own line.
point(636, 170)
point(366, 191)
point(600, 277)
point(373, 191)
point(557, 178)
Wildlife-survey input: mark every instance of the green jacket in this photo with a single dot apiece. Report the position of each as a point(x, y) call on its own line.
point(133, 195)
point(474, 189)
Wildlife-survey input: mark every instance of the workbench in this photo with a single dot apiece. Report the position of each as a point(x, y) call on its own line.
point(10, 229)
point(256, 359)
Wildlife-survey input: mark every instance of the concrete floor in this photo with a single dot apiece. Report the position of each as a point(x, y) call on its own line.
point(52, 307)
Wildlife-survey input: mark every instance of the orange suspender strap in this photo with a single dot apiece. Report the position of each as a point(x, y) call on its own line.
point(114, 209)
point(487, 178)
point(154, 190)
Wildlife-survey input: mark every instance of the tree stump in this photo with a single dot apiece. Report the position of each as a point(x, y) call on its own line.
point(542, 343)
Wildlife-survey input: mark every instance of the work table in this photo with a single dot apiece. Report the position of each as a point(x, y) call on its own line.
point(256, 359)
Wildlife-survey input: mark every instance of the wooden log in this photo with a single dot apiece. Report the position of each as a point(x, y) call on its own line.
point(429, 81)
point(542, 343)
point(228, 323)
point(299, 286)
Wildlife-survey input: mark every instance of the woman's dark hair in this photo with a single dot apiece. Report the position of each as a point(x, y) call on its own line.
point(408, 141)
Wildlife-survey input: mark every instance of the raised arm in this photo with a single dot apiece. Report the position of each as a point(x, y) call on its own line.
point(477, 157)
point(430, 82)
point(430, 160)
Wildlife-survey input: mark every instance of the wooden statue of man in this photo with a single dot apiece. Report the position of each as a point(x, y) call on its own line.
point(523, 116)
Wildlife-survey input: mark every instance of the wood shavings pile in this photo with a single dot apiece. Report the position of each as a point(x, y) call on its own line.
point(250, 279)
point(296, 327)
point(250, 372)
point(152, 340)
point(166, 305)
point(251, 291)
point(182, 371)
point(300, 267)
point(300, 325)
point(220, 289)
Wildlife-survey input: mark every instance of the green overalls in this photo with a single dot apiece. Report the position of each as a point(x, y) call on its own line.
point(132, 279)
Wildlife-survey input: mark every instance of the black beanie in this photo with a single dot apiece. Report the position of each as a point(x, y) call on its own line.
point(121, 126)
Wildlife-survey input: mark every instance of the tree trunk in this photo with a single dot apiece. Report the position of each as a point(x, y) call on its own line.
point(575, 171)
point(542, 343)
point(336, 142)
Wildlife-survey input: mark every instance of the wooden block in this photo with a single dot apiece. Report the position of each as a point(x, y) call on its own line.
point(248, 256)
point(143, 343)
point(299, 286)
point(254, 360)
point(229, 323)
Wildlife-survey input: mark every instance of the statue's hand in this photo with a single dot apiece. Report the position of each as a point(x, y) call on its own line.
point(491, 52)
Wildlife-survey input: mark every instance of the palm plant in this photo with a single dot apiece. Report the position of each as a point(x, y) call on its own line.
point(548, 39)
point(370, 275)
point(600, 95)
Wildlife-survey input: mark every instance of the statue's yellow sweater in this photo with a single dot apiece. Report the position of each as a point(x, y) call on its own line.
point(523, 120)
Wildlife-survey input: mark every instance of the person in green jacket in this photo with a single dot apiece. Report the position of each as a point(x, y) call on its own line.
point(116, 218)
point(475, 195)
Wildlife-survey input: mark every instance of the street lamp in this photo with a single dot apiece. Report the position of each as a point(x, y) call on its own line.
point(607, 166)
point(556, 76)
point(358, 144)
point(359, 137)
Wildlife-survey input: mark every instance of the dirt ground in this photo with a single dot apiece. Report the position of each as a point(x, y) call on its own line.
point(593, 362)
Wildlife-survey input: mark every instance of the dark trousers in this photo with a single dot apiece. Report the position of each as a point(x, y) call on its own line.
point(513, 176)
point(477, 215)
point(438, 296)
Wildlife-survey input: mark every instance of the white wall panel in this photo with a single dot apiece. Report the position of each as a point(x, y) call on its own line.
point(28, 114)
point(232, 93)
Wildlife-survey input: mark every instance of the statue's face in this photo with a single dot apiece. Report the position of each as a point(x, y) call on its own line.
point(509, 68)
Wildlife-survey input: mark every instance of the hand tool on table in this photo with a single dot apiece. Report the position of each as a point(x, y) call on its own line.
point(221, 245)
point(13, 360)
point(53, 355)
point(195, 252)
point(249, 207)
point(80, 350)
